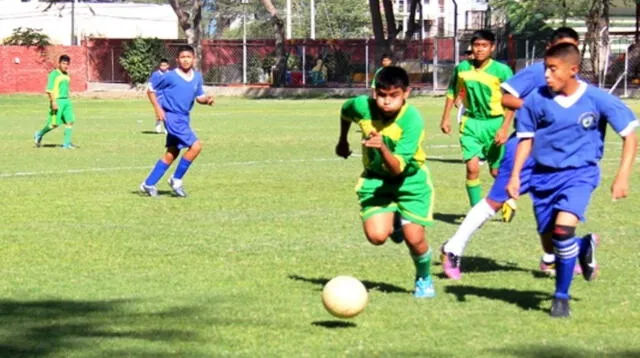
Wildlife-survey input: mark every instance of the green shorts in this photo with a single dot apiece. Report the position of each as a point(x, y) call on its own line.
point(64, 114)
point(410, 196)
point(477, 139)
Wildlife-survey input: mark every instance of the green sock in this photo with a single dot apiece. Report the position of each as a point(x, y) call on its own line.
point(46, 129)
point(423, 264)
point(67, 135)
point(474, 191)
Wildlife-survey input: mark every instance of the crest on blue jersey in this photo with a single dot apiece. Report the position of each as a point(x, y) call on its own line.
point(587, 120)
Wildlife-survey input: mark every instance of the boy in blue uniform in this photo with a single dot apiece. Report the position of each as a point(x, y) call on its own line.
point(396, 184)
point(163, 67)
point(516, 89)
point(180, 88)
point(562, 126)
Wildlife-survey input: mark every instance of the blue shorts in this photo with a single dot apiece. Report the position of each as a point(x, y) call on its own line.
point(179, 132)
point(555, 190)
point(498, 192)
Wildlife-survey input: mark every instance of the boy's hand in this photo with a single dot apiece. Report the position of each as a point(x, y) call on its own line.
point(513, 188)
point(501, 136)
point(374, 140)
point(210, 100)
point(619, 189)
point(159, 114)
point(445, 127)
point(343, 150)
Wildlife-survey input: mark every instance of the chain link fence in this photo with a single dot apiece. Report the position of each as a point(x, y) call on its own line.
point(352, 63)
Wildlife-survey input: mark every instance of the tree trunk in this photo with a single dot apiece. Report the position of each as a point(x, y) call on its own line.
point(411, 27)
point(280, 71)
point(597, 37)
point(189, 15)
point(381, 43)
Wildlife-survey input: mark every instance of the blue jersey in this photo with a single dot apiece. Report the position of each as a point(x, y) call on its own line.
point(569, 131)
point(178, 90)
point(526, 80)
point(154, 78)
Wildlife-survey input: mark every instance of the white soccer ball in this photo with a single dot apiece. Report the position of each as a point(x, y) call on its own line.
point(344, 296)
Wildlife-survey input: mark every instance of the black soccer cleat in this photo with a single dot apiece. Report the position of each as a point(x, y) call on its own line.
point(560, 308)
point(587, 258)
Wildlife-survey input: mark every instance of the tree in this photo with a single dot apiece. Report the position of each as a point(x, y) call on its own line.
point(189, 13)
point(279, 73)
point(27, 37)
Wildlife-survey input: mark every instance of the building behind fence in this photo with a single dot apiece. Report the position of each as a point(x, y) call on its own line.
point(349, 63)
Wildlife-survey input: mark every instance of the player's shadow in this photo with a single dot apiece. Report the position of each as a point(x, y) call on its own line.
point(51, 146)
point(527, 300)
point(333, 324)
point(445, 160)
point(454, 219)
point(370, 285)
point(150, 132)
point(483, 264)
point(160, 193)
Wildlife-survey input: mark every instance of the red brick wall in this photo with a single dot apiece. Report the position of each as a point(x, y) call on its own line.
point(30, 74)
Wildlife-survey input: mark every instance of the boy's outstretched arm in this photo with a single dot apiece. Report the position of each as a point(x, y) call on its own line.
point(342, 148)
point(374, 140)
point(620, 186)
point(206, 99)
point(522, 153)
point(445, 126)
point(156, 106)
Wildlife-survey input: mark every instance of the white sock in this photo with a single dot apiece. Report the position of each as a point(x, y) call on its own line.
point(477, 216)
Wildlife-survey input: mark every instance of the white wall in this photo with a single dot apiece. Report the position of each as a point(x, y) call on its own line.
point(108, 20)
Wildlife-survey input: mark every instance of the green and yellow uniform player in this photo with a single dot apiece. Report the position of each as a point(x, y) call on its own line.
point(395, 190)
point(385, 61)
point(481, 133)
point(60, 108)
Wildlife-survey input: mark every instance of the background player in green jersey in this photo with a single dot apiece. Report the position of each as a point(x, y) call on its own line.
point(60, 108)
point(385, 61)
point(395, 178)
point(481, 136)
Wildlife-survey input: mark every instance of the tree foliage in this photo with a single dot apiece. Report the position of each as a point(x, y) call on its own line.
point(140, 57)
point(27, 37)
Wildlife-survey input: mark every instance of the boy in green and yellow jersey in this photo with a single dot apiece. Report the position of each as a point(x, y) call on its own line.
point(395, 190)
point(481, 135)
point(60, 108)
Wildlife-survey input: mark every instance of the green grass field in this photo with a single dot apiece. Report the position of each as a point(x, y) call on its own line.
point(90, 268)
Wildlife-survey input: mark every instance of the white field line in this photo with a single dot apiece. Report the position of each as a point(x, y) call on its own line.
point(227, 164)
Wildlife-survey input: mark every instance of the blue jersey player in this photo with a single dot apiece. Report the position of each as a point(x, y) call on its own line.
point(562, 127)
point(180, 88)
point(516, 89)
point(163, 67)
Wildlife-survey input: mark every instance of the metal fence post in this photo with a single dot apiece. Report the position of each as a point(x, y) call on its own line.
point(304, 65)
point(113, 66)
point(526, 52)
point(435, 64)
point(366, 62)
point(626, 71)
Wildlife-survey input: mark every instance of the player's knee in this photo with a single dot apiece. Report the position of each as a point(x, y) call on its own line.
point(377, 237)
point(563, 232)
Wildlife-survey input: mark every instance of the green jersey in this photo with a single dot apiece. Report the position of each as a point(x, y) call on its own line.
point(479, 88)
point(403, 135)
point(58, 84)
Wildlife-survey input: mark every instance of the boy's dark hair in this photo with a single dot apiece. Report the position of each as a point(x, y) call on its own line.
point(468, 52)
point(186, 48)
point(563, 33)
point(566, 52)
point(385, 55)
point(483, 35)
point(392, 76)
point(164, 60)
point(64, 58)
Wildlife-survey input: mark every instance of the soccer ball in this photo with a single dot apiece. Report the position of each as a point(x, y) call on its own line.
point(344, 296)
